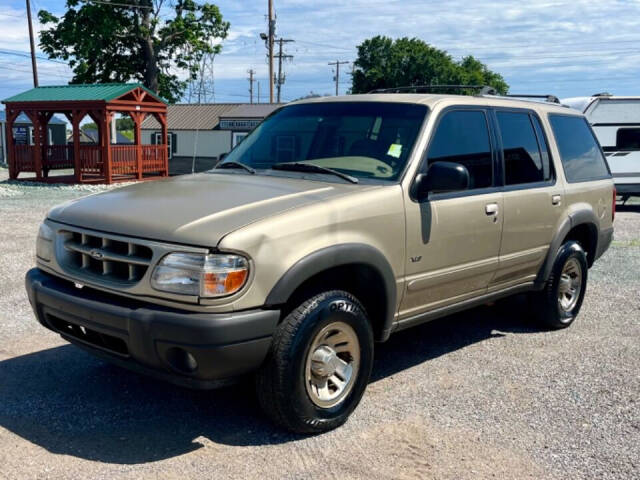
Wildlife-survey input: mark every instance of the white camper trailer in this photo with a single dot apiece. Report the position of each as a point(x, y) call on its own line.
point(616, 122)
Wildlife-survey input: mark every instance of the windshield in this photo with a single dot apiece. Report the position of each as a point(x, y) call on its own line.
point(361, 139)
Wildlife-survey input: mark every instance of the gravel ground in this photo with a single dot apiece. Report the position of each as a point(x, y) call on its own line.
point(483, 394)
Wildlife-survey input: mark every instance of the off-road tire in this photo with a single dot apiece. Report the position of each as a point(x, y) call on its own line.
point(546, 303)
point(280, 382)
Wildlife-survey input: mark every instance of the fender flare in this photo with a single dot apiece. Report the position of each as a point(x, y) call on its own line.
point(579, 217)
point(335, 256)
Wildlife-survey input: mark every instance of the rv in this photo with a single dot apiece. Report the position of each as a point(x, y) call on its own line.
point(616, 122)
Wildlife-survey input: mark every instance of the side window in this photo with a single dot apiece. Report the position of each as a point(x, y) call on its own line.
point(628, 139)
point(523, 161)
point(580, 153)
point(462, 136)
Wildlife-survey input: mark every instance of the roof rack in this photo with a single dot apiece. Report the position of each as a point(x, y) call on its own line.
point(483, 89)
point(603, 94)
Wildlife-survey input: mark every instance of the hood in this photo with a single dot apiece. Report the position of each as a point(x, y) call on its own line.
point(194, 209)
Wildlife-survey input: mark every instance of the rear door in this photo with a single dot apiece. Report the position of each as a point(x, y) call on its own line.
point(532, 197)
point(453, 239)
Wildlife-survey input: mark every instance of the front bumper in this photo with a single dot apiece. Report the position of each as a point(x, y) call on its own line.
point(197, 350)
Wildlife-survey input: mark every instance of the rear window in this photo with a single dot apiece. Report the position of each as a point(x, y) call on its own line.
point(580, 153)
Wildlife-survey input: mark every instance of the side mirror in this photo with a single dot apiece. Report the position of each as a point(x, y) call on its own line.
point(442, 177)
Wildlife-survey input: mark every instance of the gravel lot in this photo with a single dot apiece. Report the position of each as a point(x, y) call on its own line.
point(484, 394)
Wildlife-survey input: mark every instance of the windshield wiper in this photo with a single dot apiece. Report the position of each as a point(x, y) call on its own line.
point(234, 164)
point(310, 167)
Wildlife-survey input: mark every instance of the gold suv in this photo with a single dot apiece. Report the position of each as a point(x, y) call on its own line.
point(335, 223)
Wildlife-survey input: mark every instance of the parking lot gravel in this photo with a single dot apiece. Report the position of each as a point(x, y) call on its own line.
point(481, 394)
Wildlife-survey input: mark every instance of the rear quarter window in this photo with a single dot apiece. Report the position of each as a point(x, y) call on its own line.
point(580, 153)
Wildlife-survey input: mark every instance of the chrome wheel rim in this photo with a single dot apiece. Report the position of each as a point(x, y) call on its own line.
point(570, 285)
point(332, 364)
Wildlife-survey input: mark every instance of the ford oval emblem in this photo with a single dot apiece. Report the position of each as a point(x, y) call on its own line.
point(96, 254)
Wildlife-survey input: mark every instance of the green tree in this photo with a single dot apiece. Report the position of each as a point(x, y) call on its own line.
point(122, 124)
point(385, 63)
point(141, 40)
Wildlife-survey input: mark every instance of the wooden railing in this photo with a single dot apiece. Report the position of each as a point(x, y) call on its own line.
point(91, 160)
point(154, 158)
point(23, 158)
point(57, 157)
point(123, 160)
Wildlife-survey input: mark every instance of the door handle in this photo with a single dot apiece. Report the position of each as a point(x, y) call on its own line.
point(491, 209)
point(556, 199)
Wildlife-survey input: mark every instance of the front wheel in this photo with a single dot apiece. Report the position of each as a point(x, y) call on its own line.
point(560, 301)
point(319, 364)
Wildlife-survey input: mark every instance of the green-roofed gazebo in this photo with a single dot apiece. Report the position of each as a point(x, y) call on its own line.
point(102, 162)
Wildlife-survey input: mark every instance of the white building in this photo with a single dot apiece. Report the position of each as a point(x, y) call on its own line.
point(200, 133)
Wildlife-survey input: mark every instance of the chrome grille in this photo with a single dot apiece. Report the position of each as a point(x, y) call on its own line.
point(104, 257)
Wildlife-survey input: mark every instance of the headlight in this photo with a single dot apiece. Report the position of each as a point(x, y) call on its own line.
point(44, 243)
point(214, 275)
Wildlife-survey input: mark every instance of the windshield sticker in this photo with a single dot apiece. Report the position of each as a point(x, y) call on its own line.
point(395, 150)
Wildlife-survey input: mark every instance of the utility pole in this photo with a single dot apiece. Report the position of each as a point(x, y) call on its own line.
point(34, 67)
point(258, 92)
point(251, 80)
point(272, 31)
point(337, 63)
point(281, 56)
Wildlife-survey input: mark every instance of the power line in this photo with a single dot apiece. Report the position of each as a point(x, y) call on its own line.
point(12, 68)
point(325, 45)
point(576, 54)
point(525, 45)
point(18, 53)
point(118, 4)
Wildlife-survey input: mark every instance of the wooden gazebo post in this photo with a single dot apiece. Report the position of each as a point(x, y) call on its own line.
point(44, 118)
point(106, 144)
point(11, 149)
point(74, 117)
point(36, 151)
point(137, 138)
point(165, 142)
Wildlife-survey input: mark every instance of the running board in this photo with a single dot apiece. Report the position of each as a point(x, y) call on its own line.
point(458, 307)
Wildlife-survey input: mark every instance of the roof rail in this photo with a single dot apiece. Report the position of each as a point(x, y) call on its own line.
point(547, 98)
point(602, 94)
point(427, 88)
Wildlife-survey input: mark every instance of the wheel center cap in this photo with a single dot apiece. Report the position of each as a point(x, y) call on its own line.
point(323, 361)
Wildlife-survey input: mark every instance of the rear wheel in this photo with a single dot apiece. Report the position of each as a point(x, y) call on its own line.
point(559, 303)
point(319, 364)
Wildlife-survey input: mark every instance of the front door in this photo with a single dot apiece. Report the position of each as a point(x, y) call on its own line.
point(453, 239)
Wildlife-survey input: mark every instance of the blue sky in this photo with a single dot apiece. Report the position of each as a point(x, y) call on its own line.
point(541, 46)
